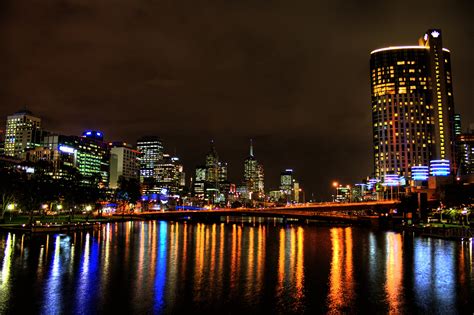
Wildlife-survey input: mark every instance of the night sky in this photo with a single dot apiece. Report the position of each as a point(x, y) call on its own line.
point(292, 75)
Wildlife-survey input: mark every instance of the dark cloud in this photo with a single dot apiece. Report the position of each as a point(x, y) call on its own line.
point(293, 75)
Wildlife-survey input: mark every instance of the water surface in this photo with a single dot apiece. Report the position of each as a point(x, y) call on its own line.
point(177, 267)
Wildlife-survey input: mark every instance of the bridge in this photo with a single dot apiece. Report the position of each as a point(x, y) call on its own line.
point(361, 212)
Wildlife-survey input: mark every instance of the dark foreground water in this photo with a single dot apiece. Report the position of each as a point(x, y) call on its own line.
point(168, 267)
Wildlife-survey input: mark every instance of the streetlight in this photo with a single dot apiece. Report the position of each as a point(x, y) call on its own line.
point(304, 197)
point(335, 185)
point(11, 207)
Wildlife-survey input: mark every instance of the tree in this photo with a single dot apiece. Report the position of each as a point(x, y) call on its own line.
point(8, 190)
point(128, 192)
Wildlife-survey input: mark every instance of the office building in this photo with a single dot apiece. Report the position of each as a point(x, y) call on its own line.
point(210, 180)
point(412, 106)
point(253, 175)
point(465, 143)
point(170, 175)
point(90, 155)
point(23, 132)
point(124, 162)
point(151, 149)
point(286, 181)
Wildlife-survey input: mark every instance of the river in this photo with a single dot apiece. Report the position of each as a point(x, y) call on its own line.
point(253, 266)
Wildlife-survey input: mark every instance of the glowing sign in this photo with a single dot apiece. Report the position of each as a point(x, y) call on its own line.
point(391, 180)
point(435, 34)
point(420, 172)
point(440, 167)
point(66, 149)
point(89, 133)
point(98, 134)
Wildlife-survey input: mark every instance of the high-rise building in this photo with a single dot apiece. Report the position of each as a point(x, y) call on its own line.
point(465, 143)
point(286, 181)
point(170, 175)
point(23, 132)
point(123, 163)
point(210, 182)
point(199, 183)
point(457, 125)
point(90, 154)
point(59, 162)
point(412, 106)
point(151, 149)
point(253, 174)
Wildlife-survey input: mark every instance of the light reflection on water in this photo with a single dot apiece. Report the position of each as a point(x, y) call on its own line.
point(169, 267)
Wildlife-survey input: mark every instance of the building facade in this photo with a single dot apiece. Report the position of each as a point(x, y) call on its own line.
point(253, 175)
point(91, 156)
point(23, 132)
point(170, 175)
point(124, 162)
point(412, 106)
point(151, 149)
point(465, 143)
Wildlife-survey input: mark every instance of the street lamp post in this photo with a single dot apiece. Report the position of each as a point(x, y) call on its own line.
point(304, 197)
point(335, 185)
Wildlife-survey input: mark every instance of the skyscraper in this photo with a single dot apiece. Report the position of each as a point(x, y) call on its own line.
point(465, 142)
point(253, 174)
point(151, 149)
point(210, 180)
point(412, 106)
point(170, 175)
point(90, 154)
point(123, 163)
point(23, 132)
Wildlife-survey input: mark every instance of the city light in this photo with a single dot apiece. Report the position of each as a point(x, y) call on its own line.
point(66, 149)
point(420, 172)
point(439, 167)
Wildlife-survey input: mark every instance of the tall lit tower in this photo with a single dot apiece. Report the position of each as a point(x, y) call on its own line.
point(412, 106)
point(253, 173)
point(23, 132)
point(151, 149)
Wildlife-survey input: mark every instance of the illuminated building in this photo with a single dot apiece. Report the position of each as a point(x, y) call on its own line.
point(170, 175)
point(93, 134)
point(91, 156)
point(123, 163)
point(343, 193)
point(210, 181)
point(253, 175)
point(23, 132)
point(59, 161)
point(420, 173)
point(412, 106)
point(457, 125)
point(200, 182)
point(296, 191)
point(286, 181)
point(465, 144)
point(151, 149)
point(439, 167)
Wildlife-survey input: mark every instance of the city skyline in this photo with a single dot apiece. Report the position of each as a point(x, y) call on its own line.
point(258, 88)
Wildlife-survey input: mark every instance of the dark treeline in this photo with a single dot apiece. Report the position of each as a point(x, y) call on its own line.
point(39, 192)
